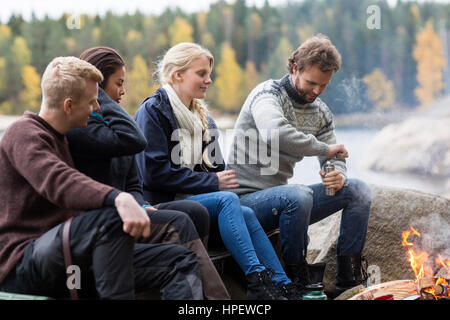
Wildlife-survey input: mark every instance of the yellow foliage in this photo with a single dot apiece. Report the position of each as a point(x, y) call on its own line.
point(415, 12)
point(96, 34)
point(70, 44)
point(5, 108)
point(2, 75)
point(429, 55)
point(201, 18)
point(229, 80)
point(137, 85)
point(134, 35)
point(380, 89)
point(5, 31)
point(31, 93)
point(180, 31)
point(256, 23)
point(20, 51)
point(251, 77)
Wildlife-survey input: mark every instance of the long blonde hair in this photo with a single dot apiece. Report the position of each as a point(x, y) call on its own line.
point(179, 58)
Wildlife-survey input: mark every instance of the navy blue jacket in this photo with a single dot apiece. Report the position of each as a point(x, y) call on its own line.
point(161, 178)
point(105, 149)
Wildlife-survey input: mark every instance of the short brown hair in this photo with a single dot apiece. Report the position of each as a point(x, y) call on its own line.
point(317, 50)
point(105, 59)
point(65, 77)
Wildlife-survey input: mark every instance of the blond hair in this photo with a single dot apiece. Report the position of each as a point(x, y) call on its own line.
point(317, 50)
point(179, 58)
point(65, 77)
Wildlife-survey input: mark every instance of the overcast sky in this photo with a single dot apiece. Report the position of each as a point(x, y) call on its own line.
point(55, 8)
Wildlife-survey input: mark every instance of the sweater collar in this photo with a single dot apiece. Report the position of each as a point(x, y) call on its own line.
point(35, 116)
point(286, 82)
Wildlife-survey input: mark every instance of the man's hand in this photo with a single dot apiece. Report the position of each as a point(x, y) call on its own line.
point(338, 151)
point(135, 219)
point(227, 179)
point(333, 179)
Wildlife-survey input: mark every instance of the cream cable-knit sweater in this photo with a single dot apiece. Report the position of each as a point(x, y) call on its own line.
point(274, 118)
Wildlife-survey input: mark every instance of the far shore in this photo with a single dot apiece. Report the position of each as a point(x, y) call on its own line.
point(354, 120)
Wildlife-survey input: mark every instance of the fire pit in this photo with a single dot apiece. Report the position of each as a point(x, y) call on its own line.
point(428, 285)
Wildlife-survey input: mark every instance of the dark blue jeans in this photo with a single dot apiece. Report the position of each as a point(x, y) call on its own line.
point(294, 207)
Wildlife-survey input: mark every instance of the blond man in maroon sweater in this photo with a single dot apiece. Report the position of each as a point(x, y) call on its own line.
point(40, 190)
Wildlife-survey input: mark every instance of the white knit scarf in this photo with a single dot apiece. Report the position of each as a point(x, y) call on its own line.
point(189, 132)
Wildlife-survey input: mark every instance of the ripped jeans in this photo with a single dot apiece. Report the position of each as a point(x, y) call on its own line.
point(293, 207)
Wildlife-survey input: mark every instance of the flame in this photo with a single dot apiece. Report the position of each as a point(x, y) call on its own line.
point(419, 261)
point(405, 236)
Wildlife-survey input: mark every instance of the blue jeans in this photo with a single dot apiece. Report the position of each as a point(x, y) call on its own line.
point(294, 207)
point(241, 234)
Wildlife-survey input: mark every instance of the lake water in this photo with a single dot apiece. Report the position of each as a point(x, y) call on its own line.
point(357, 142)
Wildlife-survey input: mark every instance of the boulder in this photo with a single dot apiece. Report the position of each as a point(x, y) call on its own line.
point(393, 211)
point(419, 145)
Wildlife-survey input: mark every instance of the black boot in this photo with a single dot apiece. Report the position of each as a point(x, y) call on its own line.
point(299, 275)
point(350, 273)
point(290, 291)
point(261, 287)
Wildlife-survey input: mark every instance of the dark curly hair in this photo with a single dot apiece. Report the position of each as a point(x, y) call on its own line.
point(317, 50)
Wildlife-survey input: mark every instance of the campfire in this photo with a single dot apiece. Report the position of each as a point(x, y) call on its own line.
point(432, 274)
point(431, 284)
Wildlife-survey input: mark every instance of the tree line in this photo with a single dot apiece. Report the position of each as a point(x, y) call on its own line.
point(400, 63)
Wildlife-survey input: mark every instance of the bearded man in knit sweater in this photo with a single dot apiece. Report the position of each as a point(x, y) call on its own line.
point(40, 190)
point(286, 117)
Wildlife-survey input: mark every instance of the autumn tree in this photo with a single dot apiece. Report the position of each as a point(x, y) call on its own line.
point(180, 31)
point(30, 95)
point(205, 37)
point(229, 81)
point(251, 78)
point(379, 89)
point(19, 57)
point(429, 55)
point(137, 85)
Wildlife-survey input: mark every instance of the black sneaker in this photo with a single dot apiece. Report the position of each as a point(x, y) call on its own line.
point(261, 287)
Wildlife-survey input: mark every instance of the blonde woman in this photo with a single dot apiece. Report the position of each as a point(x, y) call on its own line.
point(178, 163)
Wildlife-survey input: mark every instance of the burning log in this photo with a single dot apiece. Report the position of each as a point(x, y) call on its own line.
point(400, 289)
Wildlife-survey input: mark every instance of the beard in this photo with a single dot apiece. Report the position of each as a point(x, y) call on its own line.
point(307, 96)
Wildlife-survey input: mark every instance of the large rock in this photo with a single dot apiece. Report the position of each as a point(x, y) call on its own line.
point(419, 145)
point(393, 211)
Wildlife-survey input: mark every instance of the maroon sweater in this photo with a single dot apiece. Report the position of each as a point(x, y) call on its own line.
point(39, 187)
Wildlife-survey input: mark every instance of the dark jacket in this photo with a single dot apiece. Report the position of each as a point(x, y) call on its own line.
point(161, 178)
point(105, 149)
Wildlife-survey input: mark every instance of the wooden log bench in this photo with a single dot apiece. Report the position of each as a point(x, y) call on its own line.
point(231, 274)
